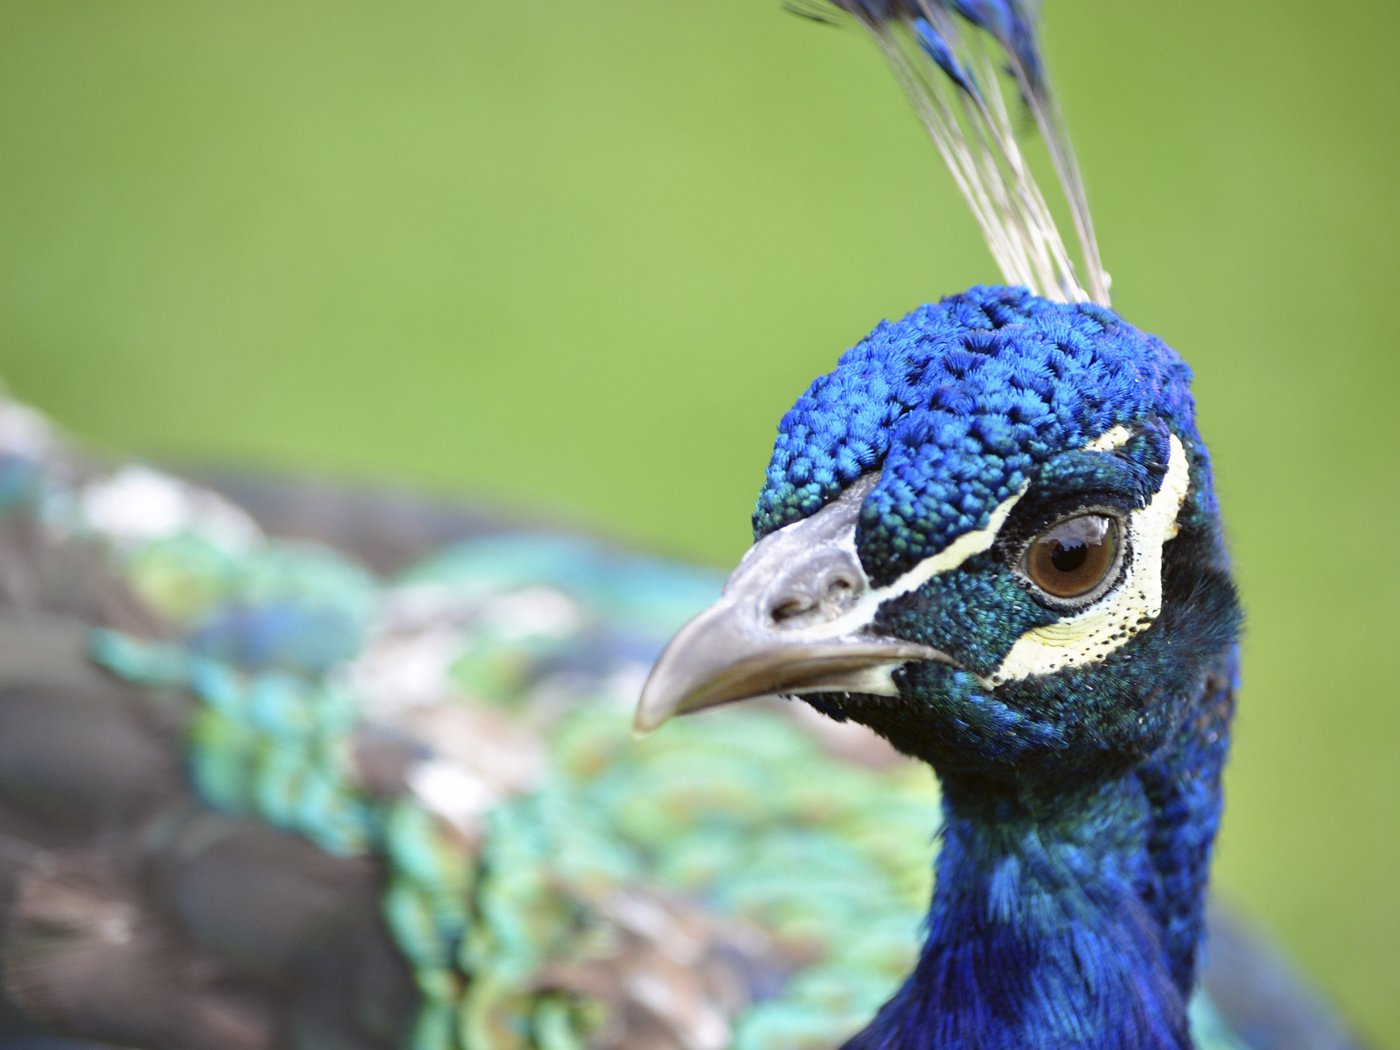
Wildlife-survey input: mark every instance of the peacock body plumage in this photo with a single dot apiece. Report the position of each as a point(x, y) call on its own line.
point(445, 751)
point(353, 792)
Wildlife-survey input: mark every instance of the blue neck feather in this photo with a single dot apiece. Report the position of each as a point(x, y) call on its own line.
point(1183, 786)
point(1069, 916)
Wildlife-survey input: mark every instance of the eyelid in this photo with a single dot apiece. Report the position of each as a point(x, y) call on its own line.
point(1018, 534)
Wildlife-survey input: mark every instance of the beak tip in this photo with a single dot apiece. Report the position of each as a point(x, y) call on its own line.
point(654, 708)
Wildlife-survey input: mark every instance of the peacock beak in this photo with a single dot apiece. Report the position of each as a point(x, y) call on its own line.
point(795, 617)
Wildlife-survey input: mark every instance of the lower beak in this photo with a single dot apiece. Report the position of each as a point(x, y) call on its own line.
point(718, 658)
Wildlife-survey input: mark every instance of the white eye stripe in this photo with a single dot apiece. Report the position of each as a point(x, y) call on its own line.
point(1110, 440)
point(1089, 636)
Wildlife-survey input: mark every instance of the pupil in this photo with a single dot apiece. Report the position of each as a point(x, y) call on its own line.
point(1067, 557)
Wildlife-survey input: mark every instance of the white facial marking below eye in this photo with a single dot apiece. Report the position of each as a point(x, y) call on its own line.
point(1090, 635)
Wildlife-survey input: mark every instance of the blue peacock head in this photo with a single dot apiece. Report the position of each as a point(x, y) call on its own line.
point(989, 534)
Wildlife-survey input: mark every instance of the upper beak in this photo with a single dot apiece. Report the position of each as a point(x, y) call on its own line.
point(794, 618)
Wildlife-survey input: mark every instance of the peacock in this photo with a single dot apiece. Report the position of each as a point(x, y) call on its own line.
point(312, 767)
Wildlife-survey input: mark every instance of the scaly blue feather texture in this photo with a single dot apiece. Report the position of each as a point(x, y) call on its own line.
point(955, 402)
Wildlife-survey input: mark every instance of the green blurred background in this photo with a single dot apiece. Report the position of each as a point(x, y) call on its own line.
point(578, 258)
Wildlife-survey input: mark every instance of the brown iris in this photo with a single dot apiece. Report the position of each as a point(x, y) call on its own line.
point(1072, 557)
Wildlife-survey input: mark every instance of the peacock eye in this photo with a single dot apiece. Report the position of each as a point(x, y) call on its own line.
point(1073, 557)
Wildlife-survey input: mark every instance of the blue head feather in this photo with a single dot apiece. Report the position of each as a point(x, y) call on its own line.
point(961, 403)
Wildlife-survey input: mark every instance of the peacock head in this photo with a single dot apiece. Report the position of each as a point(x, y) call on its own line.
point(990, 535)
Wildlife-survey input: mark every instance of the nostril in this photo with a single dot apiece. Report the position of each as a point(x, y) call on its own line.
point(842, 591)
point(790, 606)
point(840, 585)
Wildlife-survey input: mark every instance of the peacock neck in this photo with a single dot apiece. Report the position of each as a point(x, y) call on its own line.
point(1070, 915)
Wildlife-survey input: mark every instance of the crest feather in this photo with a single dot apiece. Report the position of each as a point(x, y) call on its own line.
point(953, 58)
